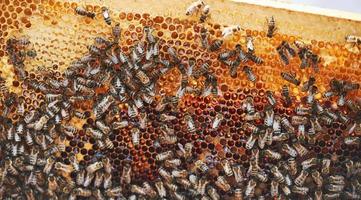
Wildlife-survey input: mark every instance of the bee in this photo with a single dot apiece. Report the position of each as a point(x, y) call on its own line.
point(250, 142)
point(271, 22)
point(164, 156)
point(204, 14)
point(10, 167)
point(114, 192)
point(300, 190)
point(212, 192)
point(281, 52)
point(238, 194)
point(255, 59)
point(120, 125)
point(272, 154)
point(201, 166)
point(190, 123)
point(249, 73)
point(227, 167)
point(299, 120)
point(116, 31)
point(126, 174)
point(270, 97)
point(274, 188)
point(286, 190)
point(81, 11)
point(230, 30)
point(268, 136)
point(63, 167)
point(279, 177)
point(250, 188)
point(287, 125)
point(107, 183)
point(135, 133)
point(238, 174)
point(162, 192)
point(269, 118)
point(216, 45)
point(82, 192)
point(88, 179)
point(317, 178)
point(194, 7)
point(148, 34)
point(204, 38)
point(33, 156)
point(217, 121)
point(337, 180)
point(48, 165)
point(149, 190)
point(174, 163)
point(325, 169)
point(80, 177)
point(181, 174)
point(250, 45)
point(290, 78)
point(306, 86)
point(165, 175)
point(355, 40)
point(309, 163)
point(94, 167)
point(335, 188)
point(222, 184)
point(301, 150)
point(106, 16)
point(98, 180)
point(300, 179)
point(289, 150)
point(262, 176)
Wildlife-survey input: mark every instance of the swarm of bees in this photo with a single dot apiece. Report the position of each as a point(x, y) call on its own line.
point(282, 162)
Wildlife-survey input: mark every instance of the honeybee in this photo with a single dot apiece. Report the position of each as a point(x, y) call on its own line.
point(250, 188)
point(300, 190)
point(116, 31)
point(194, 7)
point(190, 123)
point(271, 23)
point(300, 179)
point(164, 156)
point(217, 121)
point(216, 45)
point(355, 40)
point(49, 165)
point(287, 125)
point(107, 183)
point(272, 154)
point(309, 163)
point(106, 16)
point(126, 174)
point(230, 30)
point(135, 132)
point(204, 14)
point(83, 12)
point(204, 38)
point(250, 142)
point(212, 192)
point(162, 192)
point(290, 78)
point(301, 150)
point(94, 167)
point(199, 164)
point(317, 178)
point(62, 167)
point(227, 167)
point(289, 150)
point(222, 184)
point(165, 175)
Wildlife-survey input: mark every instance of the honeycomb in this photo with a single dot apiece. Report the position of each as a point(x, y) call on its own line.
point(60, 37)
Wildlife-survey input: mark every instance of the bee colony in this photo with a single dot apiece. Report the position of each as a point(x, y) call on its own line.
point(177, 100)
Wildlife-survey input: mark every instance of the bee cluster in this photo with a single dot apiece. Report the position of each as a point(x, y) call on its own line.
point(106, 129)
